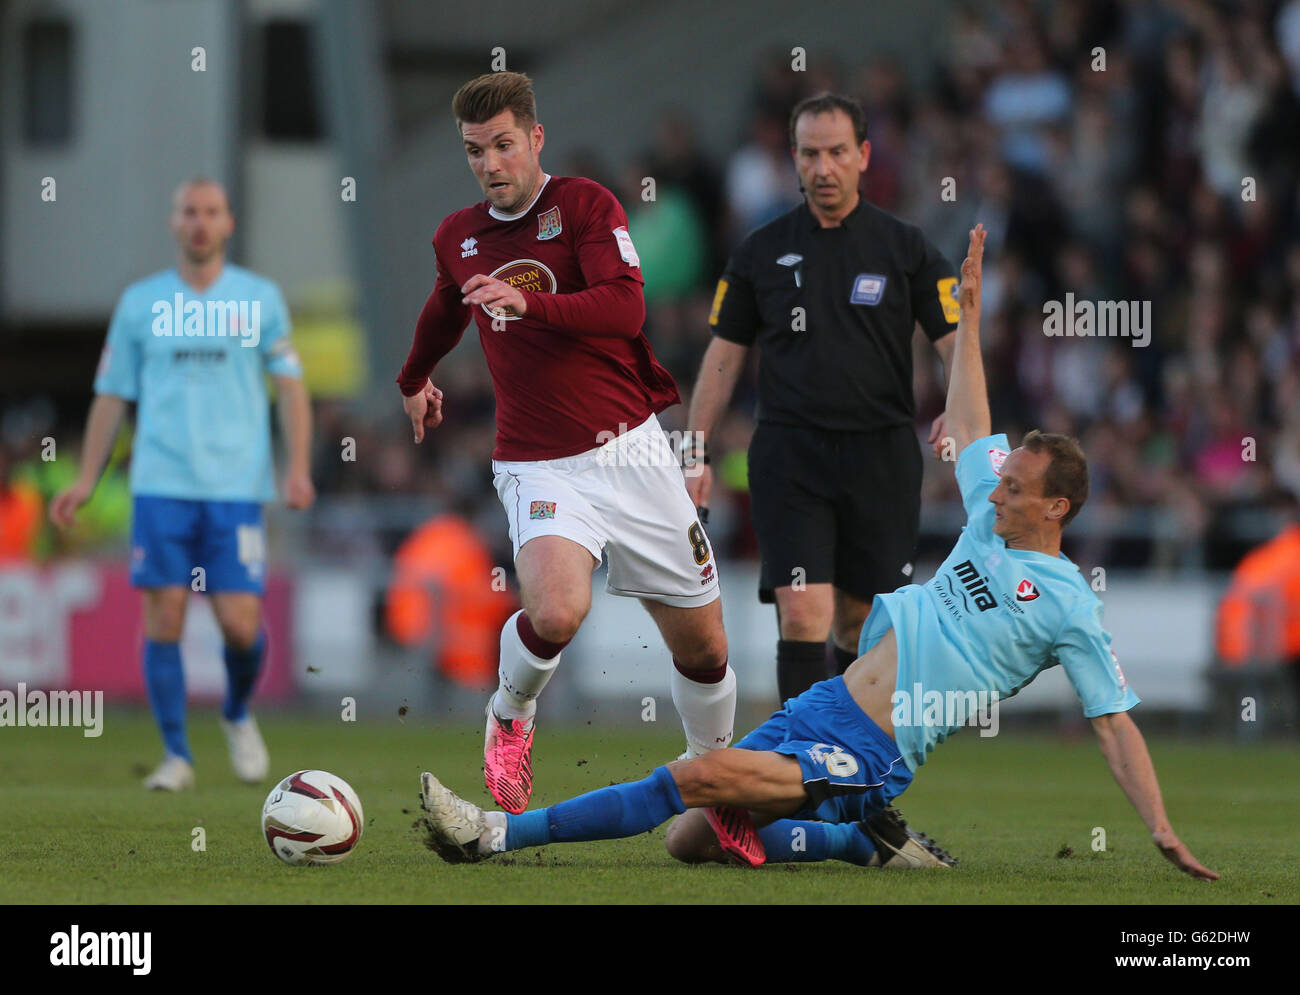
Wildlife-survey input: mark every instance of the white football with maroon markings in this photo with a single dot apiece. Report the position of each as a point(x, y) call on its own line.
point(312, 817)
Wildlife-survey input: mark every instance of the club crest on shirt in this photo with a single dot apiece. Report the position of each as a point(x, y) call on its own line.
point(548, 224)
point(996, 458)
point(541, 509)
point(1025, 590)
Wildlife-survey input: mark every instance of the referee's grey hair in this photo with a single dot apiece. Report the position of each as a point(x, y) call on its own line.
point(827, 103)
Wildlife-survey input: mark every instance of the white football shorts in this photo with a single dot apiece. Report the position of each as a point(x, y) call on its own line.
point(625, 499)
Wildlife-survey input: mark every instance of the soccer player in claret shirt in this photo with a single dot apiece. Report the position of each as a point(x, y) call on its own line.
point(547, 270)
point(1004, 606)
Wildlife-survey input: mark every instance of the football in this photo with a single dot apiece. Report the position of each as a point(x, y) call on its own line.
point(312, 817)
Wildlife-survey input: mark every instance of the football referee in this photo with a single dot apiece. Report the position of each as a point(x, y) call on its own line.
point(831, 292)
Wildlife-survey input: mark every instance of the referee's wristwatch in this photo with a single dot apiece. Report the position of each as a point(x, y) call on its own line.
point(694, 449)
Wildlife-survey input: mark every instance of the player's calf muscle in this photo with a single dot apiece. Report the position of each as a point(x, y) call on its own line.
point(758, 780)
point(694, 636)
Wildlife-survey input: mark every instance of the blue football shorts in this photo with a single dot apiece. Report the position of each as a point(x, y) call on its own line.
point(851, 769)
point(207, 546)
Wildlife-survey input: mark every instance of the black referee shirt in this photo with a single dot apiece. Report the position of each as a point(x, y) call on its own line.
point(844, 362)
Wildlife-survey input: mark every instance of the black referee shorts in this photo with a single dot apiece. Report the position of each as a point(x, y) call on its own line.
point(843, 507)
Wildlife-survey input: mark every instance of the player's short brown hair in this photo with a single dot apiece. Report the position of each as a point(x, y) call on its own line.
point(486, 96)
point(827, 103)
point(1066, 474)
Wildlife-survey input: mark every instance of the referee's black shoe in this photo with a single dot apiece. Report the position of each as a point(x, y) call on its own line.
point(899, 846)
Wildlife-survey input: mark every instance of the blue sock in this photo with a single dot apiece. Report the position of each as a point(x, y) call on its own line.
point(608, 813)
point(529, 829)
point(165, 680)
point(794, 841)
point(242, 667)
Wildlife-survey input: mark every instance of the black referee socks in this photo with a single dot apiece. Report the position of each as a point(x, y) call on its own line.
point(799, 665)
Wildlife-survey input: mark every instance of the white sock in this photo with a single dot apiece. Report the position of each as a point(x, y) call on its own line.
point(522, 674)
point(493, 838)
point(708, 711)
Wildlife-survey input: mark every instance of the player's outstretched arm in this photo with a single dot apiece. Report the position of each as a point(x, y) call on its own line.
point(440, 327)
point(1126, 752)
point(295, 422)
point(102, 424)
point(966, 415)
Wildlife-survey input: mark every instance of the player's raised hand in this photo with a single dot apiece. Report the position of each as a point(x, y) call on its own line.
point(63, 509)
point(424, 409)
point(1176, 852)
point(495, 294)
point(972, 274)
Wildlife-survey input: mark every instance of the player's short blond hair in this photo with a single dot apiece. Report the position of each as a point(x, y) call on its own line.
point(486, 96)
point(1066, 474)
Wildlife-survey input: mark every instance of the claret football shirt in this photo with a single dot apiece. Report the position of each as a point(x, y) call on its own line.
point(576, 364)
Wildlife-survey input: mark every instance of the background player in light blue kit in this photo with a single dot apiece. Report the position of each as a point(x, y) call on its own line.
point(192, 345)
point(1004, 606)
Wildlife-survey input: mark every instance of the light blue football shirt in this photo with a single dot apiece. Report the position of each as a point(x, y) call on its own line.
point(989, 621)
point(196, 364)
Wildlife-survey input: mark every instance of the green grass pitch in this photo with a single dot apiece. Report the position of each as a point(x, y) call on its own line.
point(1018, 811)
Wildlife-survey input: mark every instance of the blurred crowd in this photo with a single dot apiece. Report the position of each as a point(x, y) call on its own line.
point(1118, 150)
point(1126, 150)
